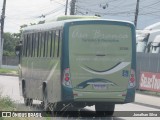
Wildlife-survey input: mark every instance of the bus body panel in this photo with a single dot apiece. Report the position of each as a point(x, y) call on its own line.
point(37, 71)
point(99, 55)
point(100, 59)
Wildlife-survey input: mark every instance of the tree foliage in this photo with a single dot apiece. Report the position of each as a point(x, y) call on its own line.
point(10, 41)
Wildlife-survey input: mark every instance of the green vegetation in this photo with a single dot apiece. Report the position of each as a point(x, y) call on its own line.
point(6, 104)
point(10, 41)
point(8, 71)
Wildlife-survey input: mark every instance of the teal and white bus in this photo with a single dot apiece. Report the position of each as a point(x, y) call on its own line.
point(84, 62)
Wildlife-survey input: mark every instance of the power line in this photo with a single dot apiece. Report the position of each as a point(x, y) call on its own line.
point(59, 2)
point(108, 13)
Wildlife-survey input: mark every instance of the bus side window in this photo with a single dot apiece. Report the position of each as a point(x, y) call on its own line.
point(24, 45)
point(54, 43)
point(50, 44)
point(34, 44)
point(41, 44)
point(46, 43)
point(28, 46)
point(59, 43)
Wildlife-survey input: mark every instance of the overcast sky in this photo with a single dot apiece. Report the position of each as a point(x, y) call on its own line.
point(149, 10)
point(19, 12)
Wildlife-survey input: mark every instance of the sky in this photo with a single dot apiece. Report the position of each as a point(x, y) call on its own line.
point(19, 12)
point(149, 10)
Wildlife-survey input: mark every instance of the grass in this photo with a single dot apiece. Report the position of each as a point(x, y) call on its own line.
point(8, 71)
point(6, 104)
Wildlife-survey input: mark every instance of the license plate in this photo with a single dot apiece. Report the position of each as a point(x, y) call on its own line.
point(99, 87)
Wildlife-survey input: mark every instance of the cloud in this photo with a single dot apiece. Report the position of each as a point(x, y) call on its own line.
point(19, 12)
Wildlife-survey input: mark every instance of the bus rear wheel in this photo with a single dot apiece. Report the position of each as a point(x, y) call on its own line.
point(45, 101)
point(104, 109)
point(27, 101)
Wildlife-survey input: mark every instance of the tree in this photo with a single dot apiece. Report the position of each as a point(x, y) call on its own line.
point(10, 42)
point(41, 22)
point(23, 26)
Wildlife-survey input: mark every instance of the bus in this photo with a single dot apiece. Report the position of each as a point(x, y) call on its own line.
point(142, 37)
point(82, 62)
point(155, 45)
point(145, 38)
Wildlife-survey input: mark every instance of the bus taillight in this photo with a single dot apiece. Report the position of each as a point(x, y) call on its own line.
point(132, 81)
point(66, 78)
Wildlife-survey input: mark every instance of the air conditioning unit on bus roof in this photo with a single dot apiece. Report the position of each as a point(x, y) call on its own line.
point(76, 17)
point(69, 17)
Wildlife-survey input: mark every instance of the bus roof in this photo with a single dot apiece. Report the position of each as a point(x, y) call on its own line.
point(76, 17)
point(153, 26)
point(60, 24)
point(157, 39)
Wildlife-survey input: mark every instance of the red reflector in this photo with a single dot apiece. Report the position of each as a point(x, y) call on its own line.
point(132, 79)
point(66, 75)
point(67, 78)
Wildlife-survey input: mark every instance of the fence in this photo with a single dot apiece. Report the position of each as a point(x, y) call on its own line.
point(10, 60)
point(148, 71)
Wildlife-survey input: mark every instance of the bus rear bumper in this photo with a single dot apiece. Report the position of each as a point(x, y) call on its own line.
point(116, 97)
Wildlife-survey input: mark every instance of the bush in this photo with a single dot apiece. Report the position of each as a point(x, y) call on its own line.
point(6, 104)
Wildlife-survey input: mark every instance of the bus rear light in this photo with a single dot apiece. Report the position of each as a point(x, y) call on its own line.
point(66, 78)
point(132, 81)
point(66, 75)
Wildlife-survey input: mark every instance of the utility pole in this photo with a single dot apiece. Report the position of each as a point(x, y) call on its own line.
point(136, 13)
point(73, 4)
point(2, 32)
point(66, 7)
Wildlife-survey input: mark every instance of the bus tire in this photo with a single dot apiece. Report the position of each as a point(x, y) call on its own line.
point(30, 102)
point(104, 109)
point(45, 100)
point(27, 101)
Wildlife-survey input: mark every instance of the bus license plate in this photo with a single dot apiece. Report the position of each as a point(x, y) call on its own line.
point(99, 87)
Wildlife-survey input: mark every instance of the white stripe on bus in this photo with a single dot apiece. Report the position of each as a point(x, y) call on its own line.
point(117, 68)
point(52, 71)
